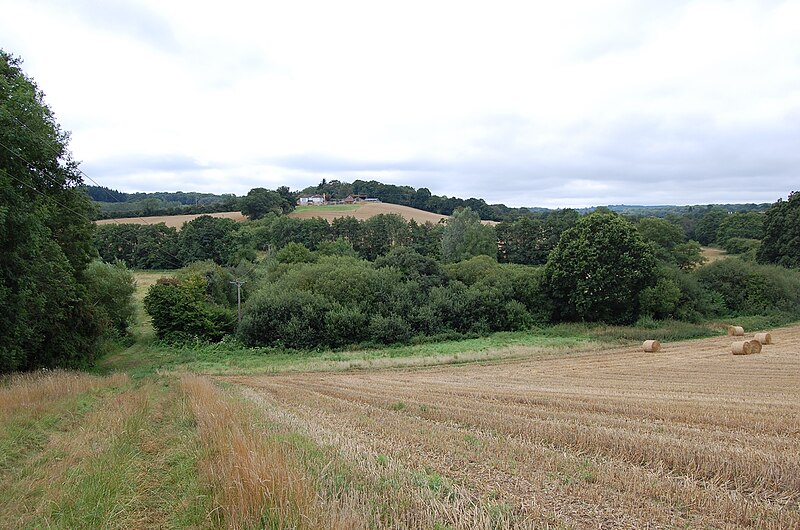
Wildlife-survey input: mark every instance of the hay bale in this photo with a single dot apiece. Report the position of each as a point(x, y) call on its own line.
point(735, 331)
point(742, 348)
point(651, 345)
point(755, 346)
point(764, 338)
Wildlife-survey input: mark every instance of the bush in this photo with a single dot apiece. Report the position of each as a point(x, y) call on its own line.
point(750, 289)
point(291, 318)
point(181, 311)
point(389, 329)
point(110, 289)
point(740, 245)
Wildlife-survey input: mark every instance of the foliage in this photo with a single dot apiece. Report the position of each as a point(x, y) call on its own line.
point(598, 269)
point(669, 243)
point(138, 246)
point(338, 301)
point(781, 242)
point(181, 311)
point(45, 235)
point(705, 230)
point(260, 201)
point(740, 245)
point(750, 288)
point(749, 225)
point(295, 253)
point(110, 288)
point(464, 237)
point(208, 238)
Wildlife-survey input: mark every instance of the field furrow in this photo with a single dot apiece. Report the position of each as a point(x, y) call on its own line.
point(690, 436)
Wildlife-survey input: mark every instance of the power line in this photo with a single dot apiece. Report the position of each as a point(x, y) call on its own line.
point(175, 260)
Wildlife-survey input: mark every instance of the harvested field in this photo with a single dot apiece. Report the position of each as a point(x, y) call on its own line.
point(366, 210)
point(691, 437)
point(170, 220)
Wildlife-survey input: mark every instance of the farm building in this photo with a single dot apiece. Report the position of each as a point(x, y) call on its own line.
point(311, 200)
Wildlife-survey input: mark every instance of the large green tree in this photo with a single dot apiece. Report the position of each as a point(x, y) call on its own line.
point(465, 237)
point(260, 201)
point(598, 269)
point(781, 243)
point(45, 234)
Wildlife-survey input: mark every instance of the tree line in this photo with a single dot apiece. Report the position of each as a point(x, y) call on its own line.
point(604, 268)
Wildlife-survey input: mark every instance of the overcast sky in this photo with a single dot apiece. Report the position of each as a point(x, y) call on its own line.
point(529, 103)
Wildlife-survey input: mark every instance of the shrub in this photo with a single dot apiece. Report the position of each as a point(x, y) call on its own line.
point(661, 300)
point(181, 311)
point(749, 288)
point(740, 245)
point(295, 253)
point(389, 329)
point(292, 318)
point(345, 325)
point(110, 289)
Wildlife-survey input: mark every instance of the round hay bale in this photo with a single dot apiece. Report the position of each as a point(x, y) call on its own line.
point(755, 346)
point(735, 331)
point(651, 345)
point(764, 338)
point(742, 348)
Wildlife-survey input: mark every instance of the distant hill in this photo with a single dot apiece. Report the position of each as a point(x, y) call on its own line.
point(366, 210)
point(361, 212)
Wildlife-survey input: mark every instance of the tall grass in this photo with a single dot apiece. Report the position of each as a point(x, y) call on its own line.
point(37, 391)
point(257, 480)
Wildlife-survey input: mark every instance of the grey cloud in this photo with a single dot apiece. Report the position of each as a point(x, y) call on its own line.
point(123, 16)
point(128, 164)
point(640, 160)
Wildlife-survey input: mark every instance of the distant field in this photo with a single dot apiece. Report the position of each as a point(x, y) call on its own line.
point(170, 220)
point(359, 211)
point(364, 211)
point(713, 254)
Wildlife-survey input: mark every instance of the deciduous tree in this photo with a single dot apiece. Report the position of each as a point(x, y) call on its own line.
point(598, 269)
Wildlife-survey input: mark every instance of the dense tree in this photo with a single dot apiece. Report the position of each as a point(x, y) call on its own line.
point(45, 234)
point(705, 230)
point(110, 288)
point(465, 236)
point(181, 311)
point(669, 242)
point(598, 270)
point(207, 238)
point(260, 201)
point(749, 225)
point(380, 234)
point(139, 246)
point(781, 242)
point(524, 241)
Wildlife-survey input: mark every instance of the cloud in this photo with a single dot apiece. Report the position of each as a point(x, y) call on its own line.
point(555, 104)
point(121, 17)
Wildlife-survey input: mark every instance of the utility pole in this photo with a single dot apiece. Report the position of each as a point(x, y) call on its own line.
point(238, 284)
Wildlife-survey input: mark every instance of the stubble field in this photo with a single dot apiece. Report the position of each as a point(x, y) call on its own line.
point(691, 436)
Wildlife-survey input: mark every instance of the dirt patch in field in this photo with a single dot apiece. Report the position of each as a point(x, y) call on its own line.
point(175, 221)
point(689, 436)
point(713, 254)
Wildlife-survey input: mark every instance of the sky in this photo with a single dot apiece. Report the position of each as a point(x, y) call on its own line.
point(532, 103)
